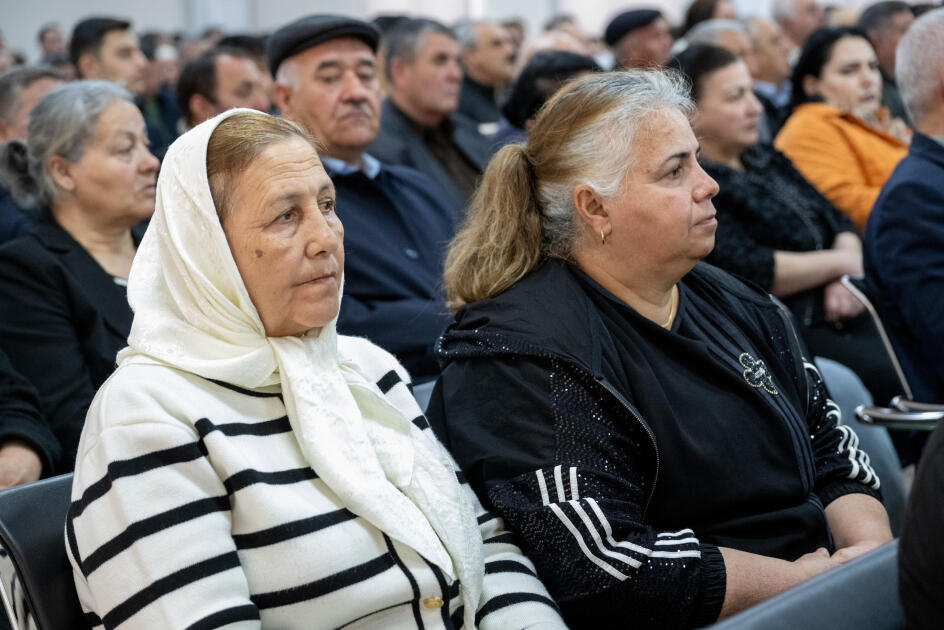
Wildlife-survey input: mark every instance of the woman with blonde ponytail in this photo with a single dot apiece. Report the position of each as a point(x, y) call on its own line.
point(645, 422)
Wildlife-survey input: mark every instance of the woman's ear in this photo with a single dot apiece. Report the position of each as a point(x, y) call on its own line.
point(60, 169)
point(591, 210)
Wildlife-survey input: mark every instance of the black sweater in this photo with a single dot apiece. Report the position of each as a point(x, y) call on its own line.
point(567, 449)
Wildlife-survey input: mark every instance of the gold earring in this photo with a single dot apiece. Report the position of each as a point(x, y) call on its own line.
point(602, 238)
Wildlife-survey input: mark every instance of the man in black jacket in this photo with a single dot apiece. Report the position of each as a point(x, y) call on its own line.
point(397, 221)
point(420, 127)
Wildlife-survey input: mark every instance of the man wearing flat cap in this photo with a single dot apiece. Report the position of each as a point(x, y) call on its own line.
point(396, 220)
point(640, 39)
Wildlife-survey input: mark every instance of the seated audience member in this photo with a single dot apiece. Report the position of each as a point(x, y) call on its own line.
point(772, 70)
point(639, 38)
point(703, 10)
point(884, 23)
point(419, 126)
point(396, 224)
point(65, 311)
point(288, 467)
point(487, 55)
point(920, 552)
point(774, 228)
point(601, 385)
point(733, 36)
point(106, 48)
point(544, 75)
point(798, 19)
point(255, 45)
point(51, 40)
point(28, 449)
point(20, 90)
point(904, 238)
point(839, 135)
point(218, 80)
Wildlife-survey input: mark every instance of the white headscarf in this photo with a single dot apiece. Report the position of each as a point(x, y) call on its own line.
point(192, 312)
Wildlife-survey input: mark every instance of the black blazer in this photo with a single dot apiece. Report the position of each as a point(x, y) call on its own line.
point(62, 322)
point(397, 144)
point(903, 253)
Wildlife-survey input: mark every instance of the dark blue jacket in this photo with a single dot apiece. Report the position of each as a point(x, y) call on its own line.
point(904, 264)
point(396, 229)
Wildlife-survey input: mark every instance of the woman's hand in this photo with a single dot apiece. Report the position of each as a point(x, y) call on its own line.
point(839, 302)
point(813, 563)
point(19, 464)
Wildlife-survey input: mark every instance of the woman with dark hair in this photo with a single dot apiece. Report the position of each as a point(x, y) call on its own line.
point(65, 311)
point(774, 227)
point(646, 423)
point(839, 135)
point(703, 10)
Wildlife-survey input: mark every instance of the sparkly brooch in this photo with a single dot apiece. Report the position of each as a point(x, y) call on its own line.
point(756, 373)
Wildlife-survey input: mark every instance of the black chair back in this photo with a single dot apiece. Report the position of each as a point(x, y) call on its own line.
point(41, 591)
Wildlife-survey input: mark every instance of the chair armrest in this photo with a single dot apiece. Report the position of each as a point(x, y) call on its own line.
point(898, 419)
point(904, 404)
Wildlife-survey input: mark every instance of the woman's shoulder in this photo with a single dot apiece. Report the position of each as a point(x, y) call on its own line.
point(150, 392)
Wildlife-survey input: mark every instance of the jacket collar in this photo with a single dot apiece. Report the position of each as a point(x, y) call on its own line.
point(110, 298)
point(927, 148)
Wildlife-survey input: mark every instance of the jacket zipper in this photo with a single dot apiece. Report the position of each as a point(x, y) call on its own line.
point(642, 423)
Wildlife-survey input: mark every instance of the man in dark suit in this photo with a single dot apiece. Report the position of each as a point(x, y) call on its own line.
point(904, 237)
point(419, 125)
point(397, 221)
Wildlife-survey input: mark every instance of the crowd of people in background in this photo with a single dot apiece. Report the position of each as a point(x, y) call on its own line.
point(819, 132)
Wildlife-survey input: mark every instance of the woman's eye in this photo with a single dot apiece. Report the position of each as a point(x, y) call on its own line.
point(327, 205)
point(288, 215)
point(675, 172)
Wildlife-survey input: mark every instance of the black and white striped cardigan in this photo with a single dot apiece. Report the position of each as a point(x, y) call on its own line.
point(193, 507)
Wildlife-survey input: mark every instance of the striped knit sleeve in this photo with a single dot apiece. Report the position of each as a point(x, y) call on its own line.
point(514, 598)
point(148, 534)
point(841, 466)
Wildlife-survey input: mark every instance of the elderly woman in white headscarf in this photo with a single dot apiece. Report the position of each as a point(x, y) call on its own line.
point(247, 467)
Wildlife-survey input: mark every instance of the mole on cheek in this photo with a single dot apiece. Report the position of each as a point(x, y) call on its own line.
point(259, 253)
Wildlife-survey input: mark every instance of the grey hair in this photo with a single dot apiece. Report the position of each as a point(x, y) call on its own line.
point(405, 39)
point(466, 32)
point(783, 10)
point(918, 61)
point(710, 31)
point(602, 151)
point(14, 81)
point(62, 123)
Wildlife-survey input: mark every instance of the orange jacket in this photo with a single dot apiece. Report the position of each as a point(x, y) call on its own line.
point(844, 158)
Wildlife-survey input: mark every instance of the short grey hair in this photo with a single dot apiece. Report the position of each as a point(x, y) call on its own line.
point(405, 40)
point(466, 32)
point(710, 31)
point(14, 81)
point(611, 136)
point(62, 123)
point(918, 63)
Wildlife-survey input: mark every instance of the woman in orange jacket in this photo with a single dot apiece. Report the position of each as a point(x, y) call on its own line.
point(839, 136)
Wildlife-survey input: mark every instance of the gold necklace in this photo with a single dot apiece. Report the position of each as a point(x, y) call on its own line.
point(672, 308)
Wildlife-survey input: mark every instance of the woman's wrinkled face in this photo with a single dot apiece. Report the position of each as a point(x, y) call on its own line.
point(116, 175)
point(850, 79)
point(663, 216)
point(728, 112)
point(286, 239)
